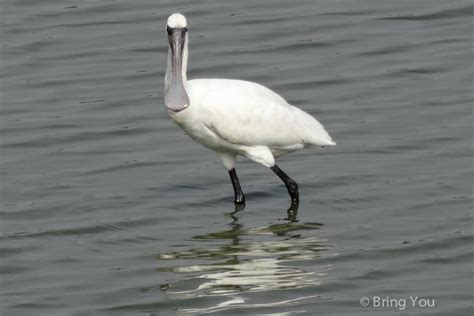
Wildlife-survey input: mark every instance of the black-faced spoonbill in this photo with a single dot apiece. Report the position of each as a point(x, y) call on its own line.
point(235, 117)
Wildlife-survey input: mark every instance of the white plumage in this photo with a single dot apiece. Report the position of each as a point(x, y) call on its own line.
point(234, 117)
point(251, 116)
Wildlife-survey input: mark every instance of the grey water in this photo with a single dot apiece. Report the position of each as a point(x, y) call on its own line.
point(108, 208)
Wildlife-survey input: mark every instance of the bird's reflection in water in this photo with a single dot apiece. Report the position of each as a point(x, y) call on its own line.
point(244, 260)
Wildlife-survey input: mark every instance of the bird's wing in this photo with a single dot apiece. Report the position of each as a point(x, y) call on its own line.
point(246, 113)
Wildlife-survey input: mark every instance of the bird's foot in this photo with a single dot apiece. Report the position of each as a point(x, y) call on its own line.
point(239, 204)
point(293, 211)
point(239, 199)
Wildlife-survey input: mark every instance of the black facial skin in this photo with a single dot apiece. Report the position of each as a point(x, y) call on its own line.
point(171, 30)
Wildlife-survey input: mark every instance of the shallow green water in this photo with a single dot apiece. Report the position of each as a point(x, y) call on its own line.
point(107, 208)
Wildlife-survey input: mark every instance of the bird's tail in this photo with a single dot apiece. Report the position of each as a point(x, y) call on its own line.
point(311, 130)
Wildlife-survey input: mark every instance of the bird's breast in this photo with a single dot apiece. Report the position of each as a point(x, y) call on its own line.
point(195, 124)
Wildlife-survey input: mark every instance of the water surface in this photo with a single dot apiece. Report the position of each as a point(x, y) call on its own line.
point(107, 208)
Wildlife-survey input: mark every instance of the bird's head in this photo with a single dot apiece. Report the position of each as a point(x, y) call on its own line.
point(176, 20)
point(176, 98)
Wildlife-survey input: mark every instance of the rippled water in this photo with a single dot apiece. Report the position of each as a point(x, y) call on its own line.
point(107, 208)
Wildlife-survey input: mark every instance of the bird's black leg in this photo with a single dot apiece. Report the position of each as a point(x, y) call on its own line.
point(291, 185)
point(239, 195)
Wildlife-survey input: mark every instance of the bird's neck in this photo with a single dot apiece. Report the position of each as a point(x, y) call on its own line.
point(184, 66)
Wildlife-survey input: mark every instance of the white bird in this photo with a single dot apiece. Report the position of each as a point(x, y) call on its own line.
point(235, 117)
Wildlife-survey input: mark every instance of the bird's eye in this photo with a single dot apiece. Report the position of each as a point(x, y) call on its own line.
point(185, 29)
point(169, 30)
